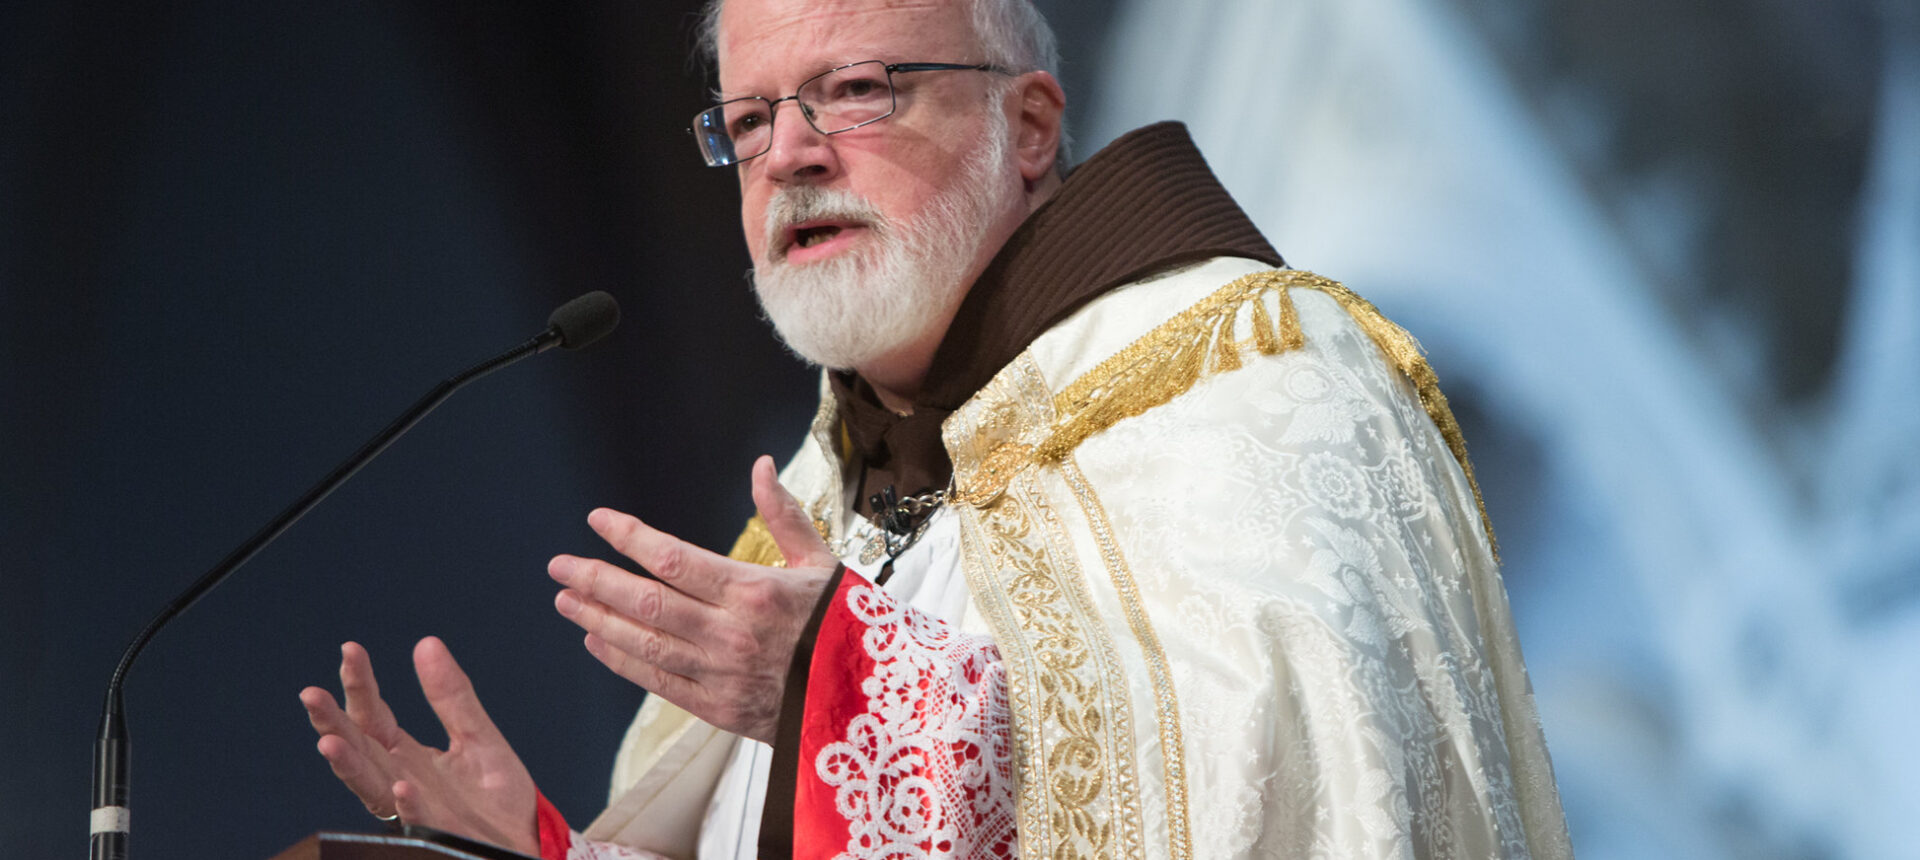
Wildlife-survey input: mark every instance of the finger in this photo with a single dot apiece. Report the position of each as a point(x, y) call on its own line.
point(364, 705)
point(367, 780)
point(678, 689)
point(323, 712)
point(409, 804)
point(451, 694)
point(641, 600)
point(329, 718)
point(646, 644)
point(800, 543)
point(687, 568)
point(357, 760)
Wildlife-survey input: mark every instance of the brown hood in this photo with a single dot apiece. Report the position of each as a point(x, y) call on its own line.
point(1146, 203)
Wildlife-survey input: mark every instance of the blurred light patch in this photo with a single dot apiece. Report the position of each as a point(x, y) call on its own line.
point(1666, 257)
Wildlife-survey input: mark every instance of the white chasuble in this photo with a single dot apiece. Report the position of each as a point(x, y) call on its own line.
point(1220, 539)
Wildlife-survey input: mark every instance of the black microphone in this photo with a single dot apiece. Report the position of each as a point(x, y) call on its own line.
point(572, 326)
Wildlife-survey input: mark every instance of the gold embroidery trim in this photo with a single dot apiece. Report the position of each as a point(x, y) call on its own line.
point(1077, 786)
point(1166, 704)
point(1115, 730)
point(1166, 362)
point(987, 482)
point(755, 545)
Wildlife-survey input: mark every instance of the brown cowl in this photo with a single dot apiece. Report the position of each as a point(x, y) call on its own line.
point(1145, 203)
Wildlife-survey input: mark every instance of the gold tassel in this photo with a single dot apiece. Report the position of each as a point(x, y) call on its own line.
point(1264, 338)
point(1291, 337)
point(1226, 353)
point(1156, 368)
point(1167, 361)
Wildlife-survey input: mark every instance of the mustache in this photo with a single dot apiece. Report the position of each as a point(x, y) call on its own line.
point(801, 203)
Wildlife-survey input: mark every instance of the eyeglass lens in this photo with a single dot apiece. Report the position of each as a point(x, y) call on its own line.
point(833, 102)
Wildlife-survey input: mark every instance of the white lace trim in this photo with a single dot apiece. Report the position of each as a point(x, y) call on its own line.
point(582, 848)
point(927, 771)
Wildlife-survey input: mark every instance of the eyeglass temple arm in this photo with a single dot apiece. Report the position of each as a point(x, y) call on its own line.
point(948, 67)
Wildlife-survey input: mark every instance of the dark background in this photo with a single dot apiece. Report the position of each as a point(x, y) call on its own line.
point(235, 240)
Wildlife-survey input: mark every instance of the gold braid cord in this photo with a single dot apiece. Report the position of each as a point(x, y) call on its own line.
point(1167, 361)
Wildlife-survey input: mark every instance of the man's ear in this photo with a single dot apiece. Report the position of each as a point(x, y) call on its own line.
point(1042, 105)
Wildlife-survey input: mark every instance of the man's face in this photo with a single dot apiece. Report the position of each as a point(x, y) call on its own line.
point(900, 168)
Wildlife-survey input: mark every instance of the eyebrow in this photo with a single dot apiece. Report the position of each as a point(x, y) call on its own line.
point(720, 95)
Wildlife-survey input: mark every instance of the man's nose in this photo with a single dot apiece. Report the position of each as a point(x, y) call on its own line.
point(799, 152)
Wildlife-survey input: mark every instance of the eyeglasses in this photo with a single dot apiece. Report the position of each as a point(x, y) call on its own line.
point(833, 101)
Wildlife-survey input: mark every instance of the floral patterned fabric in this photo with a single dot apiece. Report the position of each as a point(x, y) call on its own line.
point(1261, 618)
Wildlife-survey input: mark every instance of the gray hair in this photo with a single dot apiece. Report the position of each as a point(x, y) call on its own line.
point(1012, 35)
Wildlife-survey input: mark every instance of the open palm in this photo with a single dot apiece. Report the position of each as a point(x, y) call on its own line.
point(477, 787)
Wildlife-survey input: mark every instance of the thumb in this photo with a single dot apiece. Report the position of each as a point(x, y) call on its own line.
point(789, 524)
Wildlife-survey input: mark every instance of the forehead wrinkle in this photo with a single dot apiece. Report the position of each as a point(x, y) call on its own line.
point(856, 54)
point(821, 30)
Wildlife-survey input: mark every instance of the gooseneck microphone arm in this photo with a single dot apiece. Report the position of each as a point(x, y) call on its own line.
point(574, 325)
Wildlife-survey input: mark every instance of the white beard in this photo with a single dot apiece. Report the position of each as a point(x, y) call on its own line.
point(851, 309)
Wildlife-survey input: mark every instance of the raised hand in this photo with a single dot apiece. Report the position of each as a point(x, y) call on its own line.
point(476, 787)
point(713, 635)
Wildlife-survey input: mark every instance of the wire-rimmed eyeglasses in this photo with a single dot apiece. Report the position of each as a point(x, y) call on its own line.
point(836, 100)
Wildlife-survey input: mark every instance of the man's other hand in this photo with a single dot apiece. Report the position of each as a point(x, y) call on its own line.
point(476, 787)
point(712, 635)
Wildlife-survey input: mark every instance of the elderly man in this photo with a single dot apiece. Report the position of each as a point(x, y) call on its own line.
point(1112, 538)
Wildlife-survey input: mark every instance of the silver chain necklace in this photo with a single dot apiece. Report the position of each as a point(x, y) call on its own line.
point(899, 530)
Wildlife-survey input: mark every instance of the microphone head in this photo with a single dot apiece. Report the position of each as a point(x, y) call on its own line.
point(585, 319)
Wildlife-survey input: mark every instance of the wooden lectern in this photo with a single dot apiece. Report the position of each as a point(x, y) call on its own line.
point(411, 843)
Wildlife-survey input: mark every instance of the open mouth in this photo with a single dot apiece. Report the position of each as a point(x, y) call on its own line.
point(818, 239)
point(807, 237)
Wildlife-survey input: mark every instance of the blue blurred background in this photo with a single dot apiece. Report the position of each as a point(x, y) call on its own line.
point(1665, 255)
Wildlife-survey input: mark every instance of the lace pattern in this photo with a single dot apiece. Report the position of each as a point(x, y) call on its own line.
point(927, 770)
point(583, 848)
